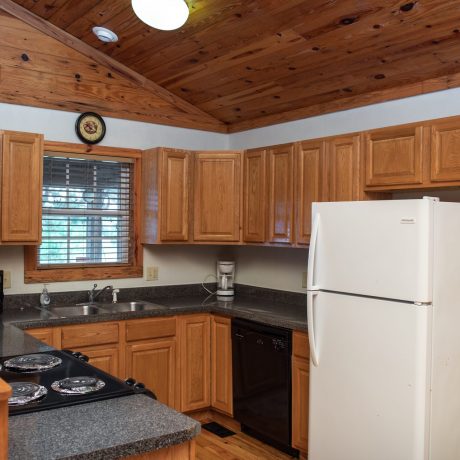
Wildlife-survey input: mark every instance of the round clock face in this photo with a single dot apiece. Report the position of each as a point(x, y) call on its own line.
point(90, 128)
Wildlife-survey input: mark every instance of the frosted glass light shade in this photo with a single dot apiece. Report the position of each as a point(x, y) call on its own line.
point(161, 14)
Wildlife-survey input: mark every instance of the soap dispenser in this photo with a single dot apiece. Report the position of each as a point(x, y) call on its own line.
point(45, 297)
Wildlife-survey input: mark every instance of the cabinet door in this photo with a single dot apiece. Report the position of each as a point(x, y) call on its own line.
point(281, 194)
point(174, 198)
point(104, 358)
point(394, 156)
point(221, 364)
point(445, 151)
point(195, 360)
point(217, 184)
point(300, 389)
point(21, 187)
point(49, 335)
point(254, 196)
point(343, 168)
point(308, 188)
point(154, 364)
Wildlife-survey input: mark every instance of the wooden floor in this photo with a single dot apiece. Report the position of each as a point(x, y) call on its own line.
point(237, 447)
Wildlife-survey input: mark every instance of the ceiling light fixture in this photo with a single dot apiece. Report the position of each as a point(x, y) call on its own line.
point(161, 14)
point(105, 35)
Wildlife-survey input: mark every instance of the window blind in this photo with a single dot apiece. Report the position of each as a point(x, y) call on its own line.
point(87, 214)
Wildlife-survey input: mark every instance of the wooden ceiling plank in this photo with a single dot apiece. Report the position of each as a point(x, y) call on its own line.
point(413, 89)
point(71, 11)
point(206, 46)
point(35, 21)
point(48, 8)
point(315, 58)
point(276, 70)
point(99, 15)
point(295, 97)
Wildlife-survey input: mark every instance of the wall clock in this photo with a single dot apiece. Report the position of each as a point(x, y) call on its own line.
point(90, 128)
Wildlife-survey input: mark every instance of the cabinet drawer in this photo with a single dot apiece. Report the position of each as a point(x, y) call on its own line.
point(89, 334)
point(150, 328)
point(300, 345)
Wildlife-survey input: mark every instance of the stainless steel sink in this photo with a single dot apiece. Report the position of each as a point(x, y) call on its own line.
point(75, 310)
point(138, 305)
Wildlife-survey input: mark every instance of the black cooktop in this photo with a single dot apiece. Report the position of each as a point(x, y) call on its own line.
point(73, 365)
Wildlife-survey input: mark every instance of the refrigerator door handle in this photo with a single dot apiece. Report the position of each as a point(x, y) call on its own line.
point(311, 295)
point(312, 254)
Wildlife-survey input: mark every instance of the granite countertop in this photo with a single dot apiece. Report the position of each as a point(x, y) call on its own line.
point(273, 313)
point(106, 430)
point(102, 430)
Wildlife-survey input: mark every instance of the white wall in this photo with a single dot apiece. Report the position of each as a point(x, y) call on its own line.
point(58, 125)
point(408, 110)
point(270, 267)
point(177, 265)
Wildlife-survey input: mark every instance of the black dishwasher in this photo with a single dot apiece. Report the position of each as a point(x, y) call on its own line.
point(262, 382)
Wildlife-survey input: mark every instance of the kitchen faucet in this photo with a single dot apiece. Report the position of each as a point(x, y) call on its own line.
point(93, 295)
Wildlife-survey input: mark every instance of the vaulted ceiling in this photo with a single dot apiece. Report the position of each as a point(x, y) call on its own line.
point(250, 63)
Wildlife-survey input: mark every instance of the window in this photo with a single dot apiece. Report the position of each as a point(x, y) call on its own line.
point(89, 219)
point(87, 212)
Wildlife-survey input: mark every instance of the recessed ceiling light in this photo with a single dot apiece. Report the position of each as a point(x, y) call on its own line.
point(161, 14)
point(105, 35)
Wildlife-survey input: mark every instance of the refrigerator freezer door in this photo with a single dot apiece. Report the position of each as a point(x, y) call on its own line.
point(373, 248)
point(368, 393)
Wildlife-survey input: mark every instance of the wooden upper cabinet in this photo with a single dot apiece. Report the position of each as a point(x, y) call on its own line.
point(309, 182)
point(343, 168)
point(217, 196)
point(394, 156)
point(445, 150)
point(281, 193)
point(254, 195)
point(21, 168)
point(166, 176)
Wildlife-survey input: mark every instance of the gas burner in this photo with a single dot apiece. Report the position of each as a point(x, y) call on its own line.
point(25, 393)
point(31, 363)
point(78, 385)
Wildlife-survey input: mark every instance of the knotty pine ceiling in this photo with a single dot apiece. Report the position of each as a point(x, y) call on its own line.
point(250, 63)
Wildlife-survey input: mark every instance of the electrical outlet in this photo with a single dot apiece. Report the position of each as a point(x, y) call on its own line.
point(152, 273)
point(304, 279)
point(7, 280)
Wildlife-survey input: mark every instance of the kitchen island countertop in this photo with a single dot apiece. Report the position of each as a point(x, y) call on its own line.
point(108, 429)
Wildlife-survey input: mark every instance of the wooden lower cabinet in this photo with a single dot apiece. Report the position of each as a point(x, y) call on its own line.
point(49, 335)
point(300, 390)
point(221, 364)
point(195, 355)
point(155, 365)
point(104, 358)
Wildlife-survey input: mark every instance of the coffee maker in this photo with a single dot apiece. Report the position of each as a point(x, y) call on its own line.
point(225, 278)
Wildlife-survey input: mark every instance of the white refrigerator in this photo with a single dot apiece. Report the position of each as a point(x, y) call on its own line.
point(384, 329)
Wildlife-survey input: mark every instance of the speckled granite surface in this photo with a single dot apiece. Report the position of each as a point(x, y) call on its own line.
point(272, 312)
point(102, 430)
point(13, 341)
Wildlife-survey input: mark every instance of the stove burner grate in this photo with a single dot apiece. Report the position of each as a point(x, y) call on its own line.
point(78, 385)
point(25, 393)
point(31, 363)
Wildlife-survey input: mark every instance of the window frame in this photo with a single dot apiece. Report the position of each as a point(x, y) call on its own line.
point(34, 274)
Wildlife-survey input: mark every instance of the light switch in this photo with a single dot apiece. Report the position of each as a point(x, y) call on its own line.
point(304, 279)
point(152, 273)
point(6, 280)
